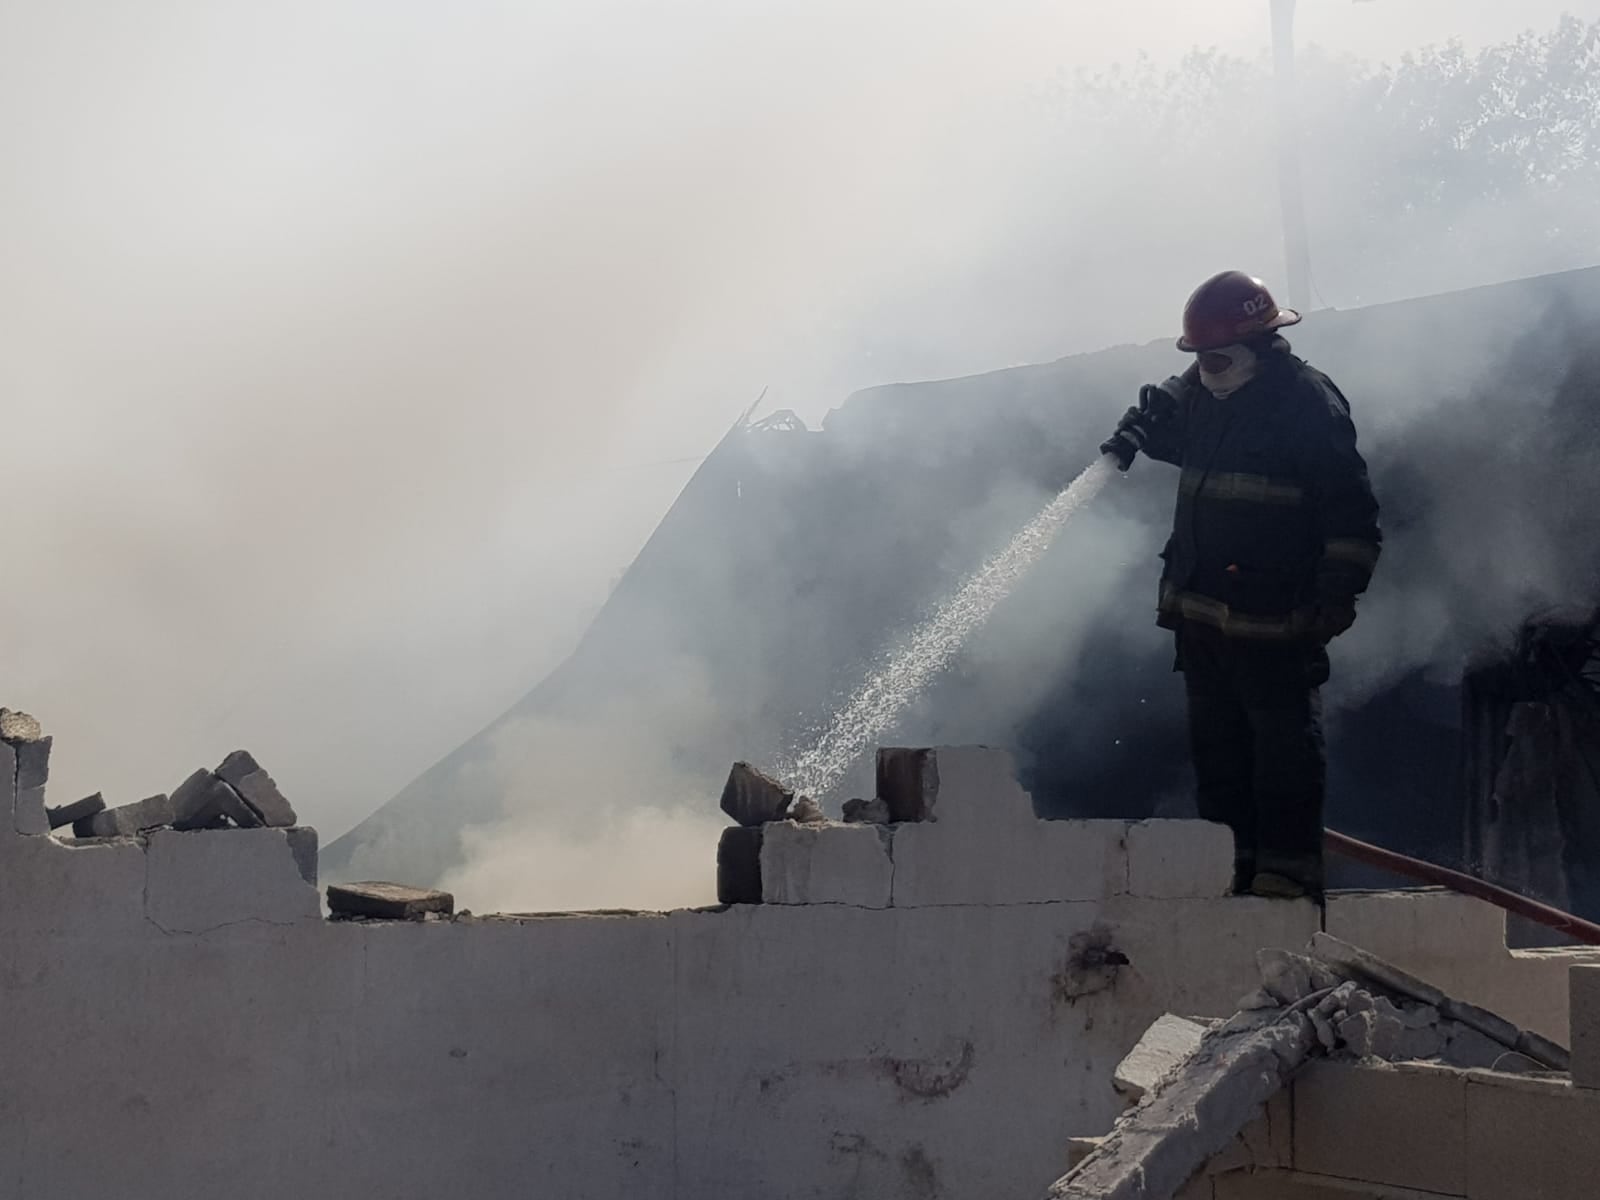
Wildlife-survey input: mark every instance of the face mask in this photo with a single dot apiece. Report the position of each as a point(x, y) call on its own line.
point(1241, 369)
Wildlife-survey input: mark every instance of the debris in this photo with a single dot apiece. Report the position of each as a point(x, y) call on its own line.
point(78, 810)
point(386, 901)
point(18, 727)
point(257, 789)
point(752, 797)
point(129, 819)
point(1165, 1045)
point(867, 812)
point(739, 865)
point(203, 801)
point(908, 782)
point(807, 812)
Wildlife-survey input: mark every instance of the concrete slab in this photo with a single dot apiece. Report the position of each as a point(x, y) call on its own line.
point(1164, 1047)
point(387, 901)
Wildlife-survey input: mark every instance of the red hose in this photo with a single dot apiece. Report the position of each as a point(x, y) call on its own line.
point(1467, 885)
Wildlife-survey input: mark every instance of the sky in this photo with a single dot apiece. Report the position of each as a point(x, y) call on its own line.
point(349, 351)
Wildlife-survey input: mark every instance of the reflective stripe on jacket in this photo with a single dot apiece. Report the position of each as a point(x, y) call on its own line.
point(1275, 513)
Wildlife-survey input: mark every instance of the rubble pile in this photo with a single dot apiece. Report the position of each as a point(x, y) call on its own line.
point(907, 787)
point(238, 794)
point(1195, 1085)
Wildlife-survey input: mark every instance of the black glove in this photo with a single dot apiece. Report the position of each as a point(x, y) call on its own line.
point(1129, 438)
point(1156, 404)
point(1332, 617)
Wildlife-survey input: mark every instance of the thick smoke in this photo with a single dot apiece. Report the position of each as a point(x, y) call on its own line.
point(354, 349)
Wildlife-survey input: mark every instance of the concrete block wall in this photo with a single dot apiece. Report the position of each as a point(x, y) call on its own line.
point(1459, 944)
point(179, 1021)
point(985, 846)
point(1414, 1130)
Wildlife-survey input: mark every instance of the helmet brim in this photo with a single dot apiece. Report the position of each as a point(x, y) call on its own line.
point(1284, 318)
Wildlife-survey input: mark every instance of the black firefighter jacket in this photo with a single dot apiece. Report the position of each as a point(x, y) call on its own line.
point(1275, 514)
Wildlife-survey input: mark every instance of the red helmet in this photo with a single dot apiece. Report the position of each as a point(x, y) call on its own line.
point(1228, 308)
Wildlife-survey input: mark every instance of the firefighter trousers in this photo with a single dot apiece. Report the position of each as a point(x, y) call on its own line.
point(1255, 735)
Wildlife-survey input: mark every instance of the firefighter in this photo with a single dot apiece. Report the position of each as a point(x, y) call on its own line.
point(1275, 534)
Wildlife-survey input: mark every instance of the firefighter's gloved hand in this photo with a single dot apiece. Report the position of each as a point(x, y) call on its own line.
point(1130, 436)
point(1333, 617)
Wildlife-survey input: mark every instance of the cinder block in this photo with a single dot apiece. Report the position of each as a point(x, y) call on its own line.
point(32, 774)
point(977, 787)
point(826, 864)
point(126, 820)
point(943, 862)
point(78, 810)
point(739, 865)
point(201, 880)
point(1403, 1125)
point(1530, 1137)
point(908, 781)
point(1180, 860)
point(1585, 998)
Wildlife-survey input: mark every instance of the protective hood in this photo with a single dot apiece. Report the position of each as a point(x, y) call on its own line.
point(1243, 364)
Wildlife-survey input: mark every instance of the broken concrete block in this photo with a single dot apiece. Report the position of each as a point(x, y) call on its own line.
point(807, 811)
point(908, 782)
point(32, 773)
point(200, 881)
point(1180, 860)
point(868, 812)
point(978, 791)
point(303, 846)
point(739, 865)
point(79, 810)
point(256, 788)
point(752, 797)
point(826, 864)
point(387, 901)
point(1584, 992)
point(126, 820)
point(203, 801)
point(18, 727)
point(1191, 1115)
point(236, 766)
point(1165, 1046)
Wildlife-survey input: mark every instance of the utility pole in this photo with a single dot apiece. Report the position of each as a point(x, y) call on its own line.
point(1296, 245)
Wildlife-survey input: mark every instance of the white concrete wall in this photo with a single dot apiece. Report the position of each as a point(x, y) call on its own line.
point(176, 1020)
